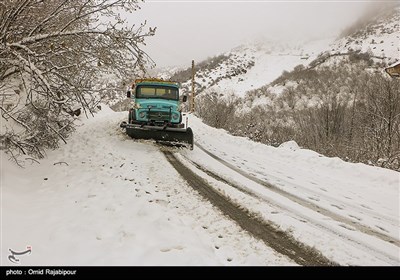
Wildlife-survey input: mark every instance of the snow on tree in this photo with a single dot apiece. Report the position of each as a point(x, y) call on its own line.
point(51, 54)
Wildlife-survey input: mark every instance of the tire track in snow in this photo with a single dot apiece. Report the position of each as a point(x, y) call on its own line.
point(313, 222)
point(277, 239)
point(359, 208)
point(339, 218)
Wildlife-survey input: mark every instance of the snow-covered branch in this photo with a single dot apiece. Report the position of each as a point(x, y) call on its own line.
point(51, 16)
point(52, 54)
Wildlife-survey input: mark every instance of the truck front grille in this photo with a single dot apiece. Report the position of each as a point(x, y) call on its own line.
point(159, 116)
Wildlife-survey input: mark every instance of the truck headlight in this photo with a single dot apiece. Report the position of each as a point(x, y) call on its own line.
point(142, 114)
point(175, 116)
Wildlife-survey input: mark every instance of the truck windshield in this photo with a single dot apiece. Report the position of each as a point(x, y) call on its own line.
point(163, 92)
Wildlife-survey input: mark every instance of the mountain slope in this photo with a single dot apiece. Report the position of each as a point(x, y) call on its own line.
point(379, 36)
point(249, 66)
point(341, 104)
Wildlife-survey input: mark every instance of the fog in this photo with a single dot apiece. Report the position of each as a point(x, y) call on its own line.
point(189, 30)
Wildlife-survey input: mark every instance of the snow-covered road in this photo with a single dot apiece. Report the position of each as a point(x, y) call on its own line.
point(105, 199)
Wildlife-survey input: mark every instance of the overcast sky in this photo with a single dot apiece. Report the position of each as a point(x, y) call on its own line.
point(189, 30)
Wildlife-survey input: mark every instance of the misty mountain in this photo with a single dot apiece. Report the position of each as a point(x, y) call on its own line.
point(377, 32)
point(376, 43)
point(339, 103)
point(252, 66)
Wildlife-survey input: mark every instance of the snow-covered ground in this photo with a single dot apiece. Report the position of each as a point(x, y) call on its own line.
point(105, 199)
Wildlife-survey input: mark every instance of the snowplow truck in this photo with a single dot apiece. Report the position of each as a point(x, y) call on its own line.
point(156, 113)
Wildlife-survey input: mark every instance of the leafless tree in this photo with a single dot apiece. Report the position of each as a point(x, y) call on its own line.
point(217, 110)
point(340, 110)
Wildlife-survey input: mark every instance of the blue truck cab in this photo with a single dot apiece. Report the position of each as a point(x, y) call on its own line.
point(155, 102)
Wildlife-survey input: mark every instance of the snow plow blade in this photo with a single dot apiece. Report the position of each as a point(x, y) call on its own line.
point(169, 135)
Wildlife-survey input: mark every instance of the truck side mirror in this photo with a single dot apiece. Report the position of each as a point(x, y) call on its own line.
point(184, 99)
point(128, 93)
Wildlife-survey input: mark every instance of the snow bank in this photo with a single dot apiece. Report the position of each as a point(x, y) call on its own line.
point(291, 145)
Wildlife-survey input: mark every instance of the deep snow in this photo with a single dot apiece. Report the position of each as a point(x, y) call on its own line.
point(105, 199)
